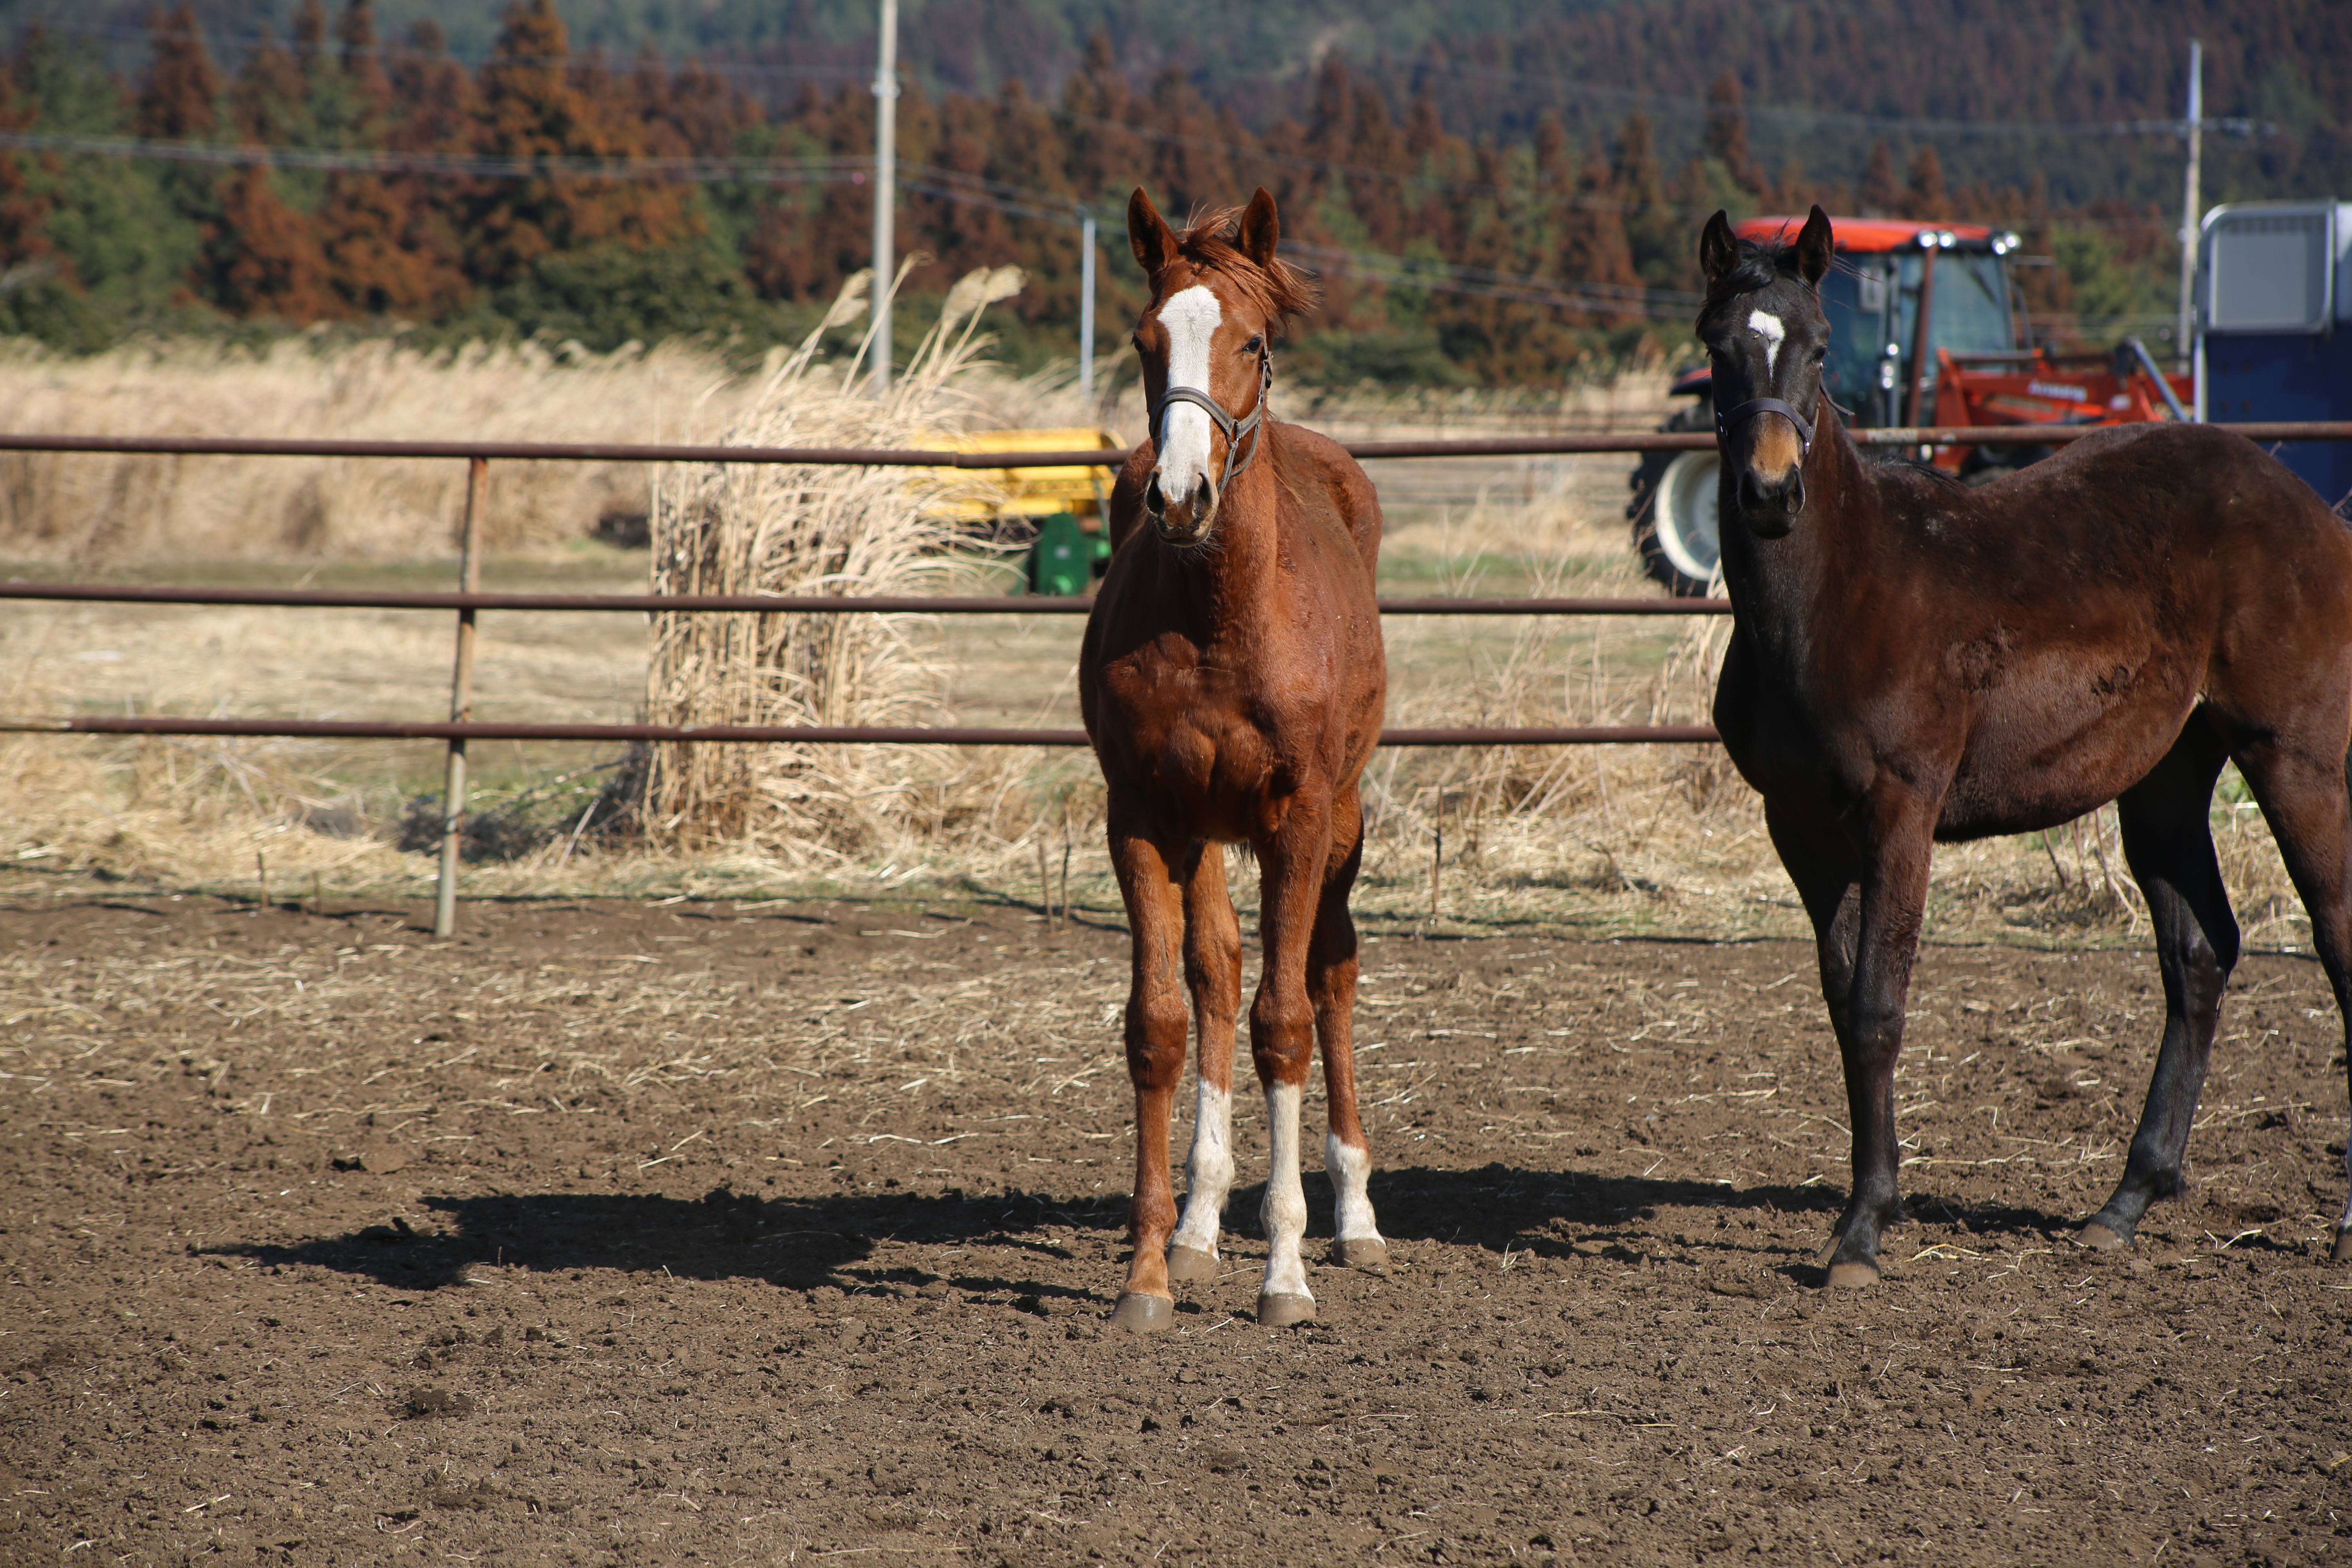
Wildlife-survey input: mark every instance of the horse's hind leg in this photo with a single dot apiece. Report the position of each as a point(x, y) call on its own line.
point(1155, 1063)
point(1213, 965)
point(2304, 798)
point(1331, 966)
point(2170, 845)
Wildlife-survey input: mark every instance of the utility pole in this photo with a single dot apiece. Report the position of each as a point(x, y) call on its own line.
point(1086, 310)
point(2184, 332)
point(885, 193)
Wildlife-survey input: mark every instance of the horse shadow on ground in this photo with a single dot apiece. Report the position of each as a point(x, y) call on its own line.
point(808, 1243)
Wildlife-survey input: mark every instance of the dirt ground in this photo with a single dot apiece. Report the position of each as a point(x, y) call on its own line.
point(777, 1233)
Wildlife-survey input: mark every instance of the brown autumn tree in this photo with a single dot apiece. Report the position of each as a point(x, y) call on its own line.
point(532, 108)
point(263, 258)
point(180, 99)
point(1879, 195)
point(1924, 196)
point(1726, 137)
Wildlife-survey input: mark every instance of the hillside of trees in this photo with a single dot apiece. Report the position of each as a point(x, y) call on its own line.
point(1498, 196)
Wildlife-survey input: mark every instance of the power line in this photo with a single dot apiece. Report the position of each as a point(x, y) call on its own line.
point(2233, 125)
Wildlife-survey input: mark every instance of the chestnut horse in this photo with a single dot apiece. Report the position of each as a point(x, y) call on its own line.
point(1913, 660)
point(1233, 682)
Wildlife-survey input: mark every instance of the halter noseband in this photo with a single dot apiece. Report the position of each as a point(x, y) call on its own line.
point(1234, 429)
point(1755, 406)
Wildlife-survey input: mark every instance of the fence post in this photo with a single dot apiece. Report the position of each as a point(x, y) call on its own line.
point(461, 695)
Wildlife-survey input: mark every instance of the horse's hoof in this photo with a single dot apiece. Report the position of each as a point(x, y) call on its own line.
point(2342, 1253)
point(1279, 1312)
point(2101, 1237)
point(1191, 1266)
point(1372, 1254)
point(1142, 1314)
point(1852, 1275)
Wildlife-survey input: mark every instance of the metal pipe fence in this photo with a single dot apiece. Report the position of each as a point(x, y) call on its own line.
point(460, 727)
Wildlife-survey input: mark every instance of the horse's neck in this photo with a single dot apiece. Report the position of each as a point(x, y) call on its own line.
point(1781, 589)
point(1236, 577)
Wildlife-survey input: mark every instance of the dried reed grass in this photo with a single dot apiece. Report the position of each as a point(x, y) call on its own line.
point(737, 529)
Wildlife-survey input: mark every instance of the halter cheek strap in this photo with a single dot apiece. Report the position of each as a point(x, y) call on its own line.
point(1234, 430)
point(1746, 411)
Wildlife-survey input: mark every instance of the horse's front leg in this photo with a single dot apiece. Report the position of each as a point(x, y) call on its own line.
point(1282, 1040)
point(1213, 965)
point(1155, 1061)
point(1891, 900)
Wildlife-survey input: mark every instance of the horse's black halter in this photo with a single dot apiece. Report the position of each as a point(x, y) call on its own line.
point(1755, 406)
point(1234, 429)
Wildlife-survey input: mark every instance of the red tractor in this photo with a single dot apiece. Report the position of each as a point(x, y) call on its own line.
point(1971, 364)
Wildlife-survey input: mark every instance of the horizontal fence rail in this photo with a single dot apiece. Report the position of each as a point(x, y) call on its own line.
point(784, 734)
point(898, 457)
point(777, 604)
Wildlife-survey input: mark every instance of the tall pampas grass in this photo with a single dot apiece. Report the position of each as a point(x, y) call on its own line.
point(843, 531)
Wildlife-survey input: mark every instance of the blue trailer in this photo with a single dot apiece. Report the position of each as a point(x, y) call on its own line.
point(2274, 341)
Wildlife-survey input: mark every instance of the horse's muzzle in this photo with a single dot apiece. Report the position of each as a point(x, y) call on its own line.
point(1186, 519)
point(1770, 507)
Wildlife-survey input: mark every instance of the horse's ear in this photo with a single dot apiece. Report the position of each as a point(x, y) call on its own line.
point(1814, 247)
point(1147, 234)
point(1718, 249)
point(1261, 229)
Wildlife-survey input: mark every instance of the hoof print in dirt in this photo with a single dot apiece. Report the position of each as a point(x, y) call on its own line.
point(430, 1403)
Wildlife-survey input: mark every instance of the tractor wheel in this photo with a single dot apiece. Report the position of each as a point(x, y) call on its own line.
point(1674, 510)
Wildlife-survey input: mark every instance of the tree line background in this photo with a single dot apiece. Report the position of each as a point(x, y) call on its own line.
point(1496, 193)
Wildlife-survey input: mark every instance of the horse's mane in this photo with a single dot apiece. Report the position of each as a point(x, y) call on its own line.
point(1282, 293)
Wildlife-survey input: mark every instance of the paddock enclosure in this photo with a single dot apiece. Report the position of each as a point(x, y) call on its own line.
point(781, 1230)
point(609, 1232)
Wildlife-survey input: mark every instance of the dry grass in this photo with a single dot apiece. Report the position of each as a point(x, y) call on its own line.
point(84, 509)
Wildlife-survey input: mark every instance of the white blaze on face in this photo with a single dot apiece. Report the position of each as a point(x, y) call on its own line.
point(1284, 1210)
point(1768, 326)
point(1192, 316)
point(1209, 1174)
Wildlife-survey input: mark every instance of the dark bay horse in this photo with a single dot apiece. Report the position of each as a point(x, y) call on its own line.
point(1233, 682)
point(1913, 660)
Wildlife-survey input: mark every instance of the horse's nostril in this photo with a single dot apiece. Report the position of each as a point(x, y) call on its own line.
point(1154, 502)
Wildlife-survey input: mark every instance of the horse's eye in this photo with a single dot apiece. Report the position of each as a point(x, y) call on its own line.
point(1254, 346)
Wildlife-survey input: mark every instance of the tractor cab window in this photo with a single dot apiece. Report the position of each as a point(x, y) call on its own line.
point(1873, 303)
point(1972, 304)
point(1854, 298)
